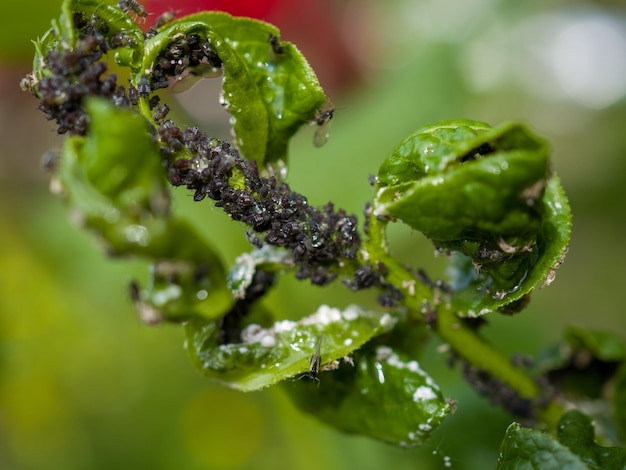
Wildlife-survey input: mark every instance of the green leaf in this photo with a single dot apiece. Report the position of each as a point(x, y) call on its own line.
point(383, 395)
point(114, 183)
point(486, 194)
point(428, 151)
point(576, 432)
point(619, 400)
point(529, 449)
point(268, 355)
point(108, 20)
point(270, 96)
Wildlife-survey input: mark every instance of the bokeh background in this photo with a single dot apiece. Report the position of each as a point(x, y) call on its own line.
point(83, 384)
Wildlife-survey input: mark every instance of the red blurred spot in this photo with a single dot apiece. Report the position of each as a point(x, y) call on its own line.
point(313, 25)
point(252, 8)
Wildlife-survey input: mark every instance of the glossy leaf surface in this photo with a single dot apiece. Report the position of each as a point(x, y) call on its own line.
point(486, 193)
point(524, 448)
point(574, 447)
point(266, 356)
point(384, 395)
point(269, 95)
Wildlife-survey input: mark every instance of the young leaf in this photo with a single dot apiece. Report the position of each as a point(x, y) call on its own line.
point(574, 448)
point(269, 95)
point(484, 193)
point(524, 448)
point(383, 395)
point(576, 432)
point(266, 356)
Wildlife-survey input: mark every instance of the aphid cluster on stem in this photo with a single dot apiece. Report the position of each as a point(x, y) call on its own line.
point(74, 75)
point(499, 393)
point(186, 55)
point(317, 238)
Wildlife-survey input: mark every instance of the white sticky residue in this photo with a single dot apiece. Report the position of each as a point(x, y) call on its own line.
point(425, 427)
point(323, 316)
point(268, 341)
point(137, 234)
point(171, 292)
point(284, 325)
point(347, 341)
point(328, 314)
point(351, 313)
point(387, 321)
point(424, 393)
point(409, 286)
point(381, 375)
point(383, 353)
point(243, 350)
point(414, 366)
point(252, 333)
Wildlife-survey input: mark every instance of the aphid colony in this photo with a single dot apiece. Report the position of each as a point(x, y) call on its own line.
point(318, 239)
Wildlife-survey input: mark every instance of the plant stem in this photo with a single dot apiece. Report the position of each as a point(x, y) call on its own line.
point(467, 343)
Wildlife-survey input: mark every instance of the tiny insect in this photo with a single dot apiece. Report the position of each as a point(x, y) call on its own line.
point(164, 19)
point(322, 119)
point(275, 43)
point(143, 87)
point(192, 75)
point(315, 361)
point(132, 5)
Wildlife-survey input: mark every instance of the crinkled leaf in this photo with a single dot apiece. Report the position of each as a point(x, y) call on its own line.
point(487, 194)
point(114, 181)
point(576, 432)
point(428, 151)
point(269, 95)
point(266, 356)
point(529, 449)
point(384, 396)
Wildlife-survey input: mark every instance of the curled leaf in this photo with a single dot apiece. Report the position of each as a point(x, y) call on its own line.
point(487, 194)
point(269, 95)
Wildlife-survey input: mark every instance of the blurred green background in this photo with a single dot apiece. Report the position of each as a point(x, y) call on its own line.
point(83, 384)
